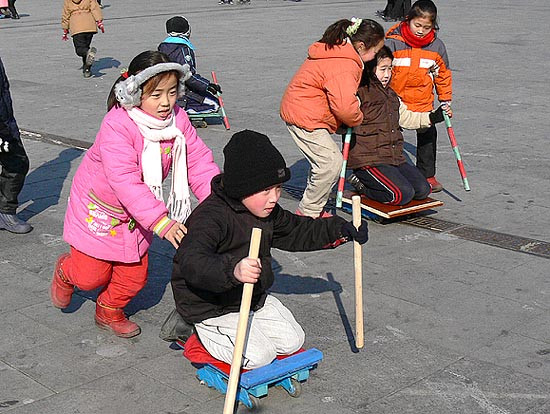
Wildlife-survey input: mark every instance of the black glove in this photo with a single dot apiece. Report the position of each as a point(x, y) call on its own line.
point(437, 116)
point(214, 88)
point(351, 233)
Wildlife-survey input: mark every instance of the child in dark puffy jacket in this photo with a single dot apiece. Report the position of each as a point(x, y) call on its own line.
point(380, 170)
point(200, 96)
point(211, 264)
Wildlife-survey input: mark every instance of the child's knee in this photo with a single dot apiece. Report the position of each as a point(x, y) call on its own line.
point(423, 192)
point(294, 343)
point(337, 161)
point(91, 282)
point(407, 194)
point(259, 357)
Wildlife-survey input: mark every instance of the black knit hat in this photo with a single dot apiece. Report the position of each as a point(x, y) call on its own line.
point(252, 164)
point(178, 24)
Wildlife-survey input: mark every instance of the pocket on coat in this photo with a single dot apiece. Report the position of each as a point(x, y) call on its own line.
point(103, 218)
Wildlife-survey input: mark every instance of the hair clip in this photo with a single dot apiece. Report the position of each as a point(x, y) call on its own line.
point(124, 73)
point(354, 26)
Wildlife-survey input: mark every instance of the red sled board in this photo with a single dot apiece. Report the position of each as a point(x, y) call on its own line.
point(388, 211)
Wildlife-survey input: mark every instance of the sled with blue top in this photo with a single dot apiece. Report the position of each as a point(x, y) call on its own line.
point(288, 372)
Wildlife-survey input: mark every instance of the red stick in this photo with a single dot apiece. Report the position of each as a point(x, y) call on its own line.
point(342, 179)
point(225, 120)
point(456, 152)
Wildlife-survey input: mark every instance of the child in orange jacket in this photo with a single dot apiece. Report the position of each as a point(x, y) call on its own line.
point(321, 96)
point(420, 64)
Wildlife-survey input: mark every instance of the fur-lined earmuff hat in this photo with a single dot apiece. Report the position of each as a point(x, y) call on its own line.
point(128, 91)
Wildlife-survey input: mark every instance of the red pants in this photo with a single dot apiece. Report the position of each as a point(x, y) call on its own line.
point(121, 281)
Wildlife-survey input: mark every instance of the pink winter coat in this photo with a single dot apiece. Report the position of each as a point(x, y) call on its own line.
point(108, 189)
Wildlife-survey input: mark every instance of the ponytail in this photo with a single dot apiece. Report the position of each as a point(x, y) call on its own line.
point(357, 30)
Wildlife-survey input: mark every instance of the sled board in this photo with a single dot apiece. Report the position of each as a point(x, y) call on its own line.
point(387, 211)
point(202, 120)
point(287, 372)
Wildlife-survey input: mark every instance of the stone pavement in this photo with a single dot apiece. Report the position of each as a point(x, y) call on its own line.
point(452, 325)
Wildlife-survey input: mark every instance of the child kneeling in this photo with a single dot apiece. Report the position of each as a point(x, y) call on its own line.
point(380, 169)
point(211, 264)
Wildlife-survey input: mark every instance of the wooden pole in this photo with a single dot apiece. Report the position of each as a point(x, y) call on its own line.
point(219, 96)
point(358, 266)
point(242, 327)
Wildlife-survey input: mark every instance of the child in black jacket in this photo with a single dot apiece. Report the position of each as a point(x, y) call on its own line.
point(211, 263)
point(200, 96)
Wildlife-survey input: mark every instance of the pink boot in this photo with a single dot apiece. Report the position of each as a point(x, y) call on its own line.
point(114, 320)
point(61, 290)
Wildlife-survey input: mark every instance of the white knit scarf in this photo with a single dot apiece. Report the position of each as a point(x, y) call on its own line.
point(154, 131)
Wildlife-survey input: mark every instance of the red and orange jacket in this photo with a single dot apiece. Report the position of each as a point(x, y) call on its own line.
point(417, 70)
point(322, 93)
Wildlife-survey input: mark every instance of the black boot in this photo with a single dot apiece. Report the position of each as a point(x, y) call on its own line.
point(88, 62)
point(13, 11)
point(175, 328)
point(357, 184)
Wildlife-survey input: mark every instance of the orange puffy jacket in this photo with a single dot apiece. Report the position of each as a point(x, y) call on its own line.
point(417, 70)
point(322, 93)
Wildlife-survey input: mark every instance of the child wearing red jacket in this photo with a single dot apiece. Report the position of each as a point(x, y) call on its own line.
point(420, 64)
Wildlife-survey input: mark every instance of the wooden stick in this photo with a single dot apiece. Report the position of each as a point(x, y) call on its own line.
point(341, 180)
point(454, 146)
point(219, 96)
point(242, 327)
point(358, 266)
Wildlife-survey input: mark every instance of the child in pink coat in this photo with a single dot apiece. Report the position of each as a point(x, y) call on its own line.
point(117, 202)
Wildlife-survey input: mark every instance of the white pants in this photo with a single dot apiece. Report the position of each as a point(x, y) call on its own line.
point(272, 331)
point(326, 163)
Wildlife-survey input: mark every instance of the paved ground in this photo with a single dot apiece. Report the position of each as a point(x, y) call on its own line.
point(453, 325)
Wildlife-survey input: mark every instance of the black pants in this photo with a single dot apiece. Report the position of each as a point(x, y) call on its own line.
point(393, 184)
point(82, 42)
point(426, 148)
point(15, 166)
point(397, 9)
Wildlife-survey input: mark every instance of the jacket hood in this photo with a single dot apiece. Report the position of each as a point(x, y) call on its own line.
point(320, 50)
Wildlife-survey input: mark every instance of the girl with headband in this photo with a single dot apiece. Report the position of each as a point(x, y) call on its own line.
point(321, 96)
point(117, 202)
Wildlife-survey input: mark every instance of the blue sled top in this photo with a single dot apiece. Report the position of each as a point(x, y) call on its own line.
point(281, 368)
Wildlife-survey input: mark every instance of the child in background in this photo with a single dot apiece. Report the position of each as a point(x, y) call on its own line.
point(82, 18)
point(200, 95)
point(7, 9)
point(395, 10)
point(321, 96)
point(381, 171)
point(116, 201)
point(211, 264)
point(14, 162)
point(421, 63)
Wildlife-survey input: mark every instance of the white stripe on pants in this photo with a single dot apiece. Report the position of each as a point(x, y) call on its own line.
point(325, 159)
point(272, 331)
